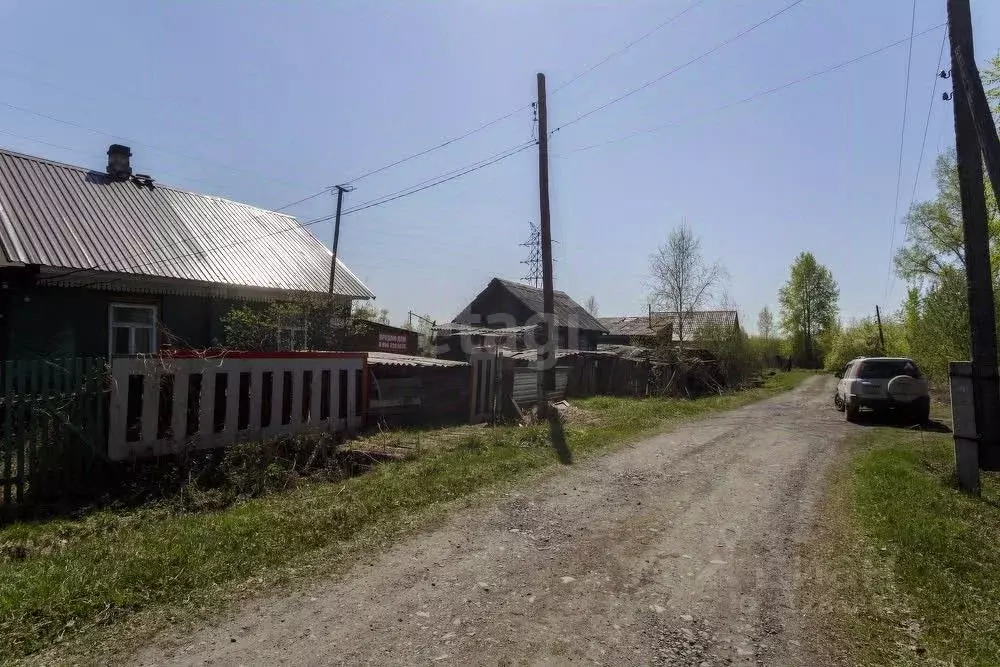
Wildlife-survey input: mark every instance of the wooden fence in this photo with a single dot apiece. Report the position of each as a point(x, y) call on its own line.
point(52, 421)
point(164, 405)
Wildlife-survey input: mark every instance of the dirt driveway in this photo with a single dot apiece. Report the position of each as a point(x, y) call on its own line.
point(681, 549)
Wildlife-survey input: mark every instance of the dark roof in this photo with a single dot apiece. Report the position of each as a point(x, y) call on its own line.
point(693, 322)
point(67, 217)
point(568, 313)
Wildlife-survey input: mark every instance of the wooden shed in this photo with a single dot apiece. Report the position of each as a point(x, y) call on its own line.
point(406, 390)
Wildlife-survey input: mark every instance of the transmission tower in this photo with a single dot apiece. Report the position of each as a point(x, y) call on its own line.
point(534, 260)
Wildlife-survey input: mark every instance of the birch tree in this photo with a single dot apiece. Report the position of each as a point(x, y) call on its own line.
point(682, 280)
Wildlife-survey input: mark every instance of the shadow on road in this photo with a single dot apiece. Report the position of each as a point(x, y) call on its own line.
point(900, 421)
point(558, 436)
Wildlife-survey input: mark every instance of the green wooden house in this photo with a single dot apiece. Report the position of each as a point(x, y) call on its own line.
point(98, 263)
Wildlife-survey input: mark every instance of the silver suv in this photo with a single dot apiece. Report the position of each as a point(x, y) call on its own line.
point(883, 384)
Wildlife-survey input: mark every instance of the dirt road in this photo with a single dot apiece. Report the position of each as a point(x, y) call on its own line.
point(680, 549)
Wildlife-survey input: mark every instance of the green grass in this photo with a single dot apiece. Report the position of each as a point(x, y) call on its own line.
point(915, 563)
point(123, 575)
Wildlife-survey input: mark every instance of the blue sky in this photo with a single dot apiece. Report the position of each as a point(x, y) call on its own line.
point(267, 102)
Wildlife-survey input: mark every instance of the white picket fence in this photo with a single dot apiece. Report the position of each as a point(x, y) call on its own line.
point(162, 405)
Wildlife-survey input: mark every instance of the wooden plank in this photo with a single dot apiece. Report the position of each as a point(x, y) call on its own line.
point(118, 448)
point(178, 415)
point(102, 395)
point(314, 395)
point(295, 421)
point(277, 399)
point(206, 434)
point(19, 426)
point(8, 431)
point(47, 454)
point(256, 397)
point(234, 367)
point(150, 410)
point(32, 396)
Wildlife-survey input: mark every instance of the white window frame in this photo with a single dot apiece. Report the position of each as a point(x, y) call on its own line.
point(131, 326)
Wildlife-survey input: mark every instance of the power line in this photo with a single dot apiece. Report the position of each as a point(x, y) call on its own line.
point(434, 181)
point(628, 46)
point(902, 139)
point(237, 225)
point(514, 112)
point(118, 137)
point(448, 142)
point(694, 60)
point(770, 91)
point(927, 121)
point(449, 176)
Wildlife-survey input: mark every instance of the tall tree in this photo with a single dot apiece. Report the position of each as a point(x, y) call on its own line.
point(765, 323)
point(363, 311)
point(591, 305)
point(934, 239)
point(808, 302)
point(682, 281)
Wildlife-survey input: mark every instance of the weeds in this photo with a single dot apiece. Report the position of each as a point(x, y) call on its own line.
point(65, 577)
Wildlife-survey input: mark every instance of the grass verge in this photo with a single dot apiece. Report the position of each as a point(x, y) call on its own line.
point(129, 573)
point(911, 562)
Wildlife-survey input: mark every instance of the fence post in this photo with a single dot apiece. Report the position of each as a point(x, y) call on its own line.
point(19, 425)
point(965, 431)
point(8, 439)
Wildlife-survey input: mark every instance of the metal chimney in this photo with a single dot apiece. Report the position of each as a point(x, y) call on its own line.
point(119, 165)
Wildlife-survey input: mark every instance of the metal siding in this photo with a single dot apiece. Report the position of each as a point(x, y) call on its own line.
point(67, 217)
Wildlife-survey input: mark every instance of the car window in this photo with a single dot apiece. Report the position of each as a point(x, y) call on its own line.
point(886, 369)
point(846, 370)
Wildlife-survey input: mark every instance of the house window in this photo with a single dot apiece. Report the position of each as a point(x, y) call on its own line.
point(293, 336)
point(132, 329)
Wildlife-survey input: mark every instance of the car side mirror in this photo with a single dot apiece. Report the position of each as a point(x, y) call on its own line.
point(838, 374)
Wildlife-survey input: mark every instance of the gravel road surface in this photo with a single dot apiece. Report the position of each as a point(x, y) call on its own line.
point(681, 549)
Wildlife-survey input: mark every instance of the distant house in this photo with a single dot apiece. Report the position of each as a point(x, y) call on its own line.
point(505, 304)
point(648, 330)
point(101, 263)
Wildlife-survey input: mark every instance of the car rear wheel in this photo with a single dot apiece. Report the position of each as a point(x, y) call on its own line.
point(851, 410)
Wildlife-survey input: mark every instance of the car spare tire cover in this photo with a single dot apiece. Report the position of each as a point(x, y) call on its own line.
point(904, 389)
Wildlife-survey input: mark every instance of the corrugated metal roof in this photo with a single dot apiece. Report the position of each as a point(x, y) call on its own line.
point(392, 359)
point(532, 354)
point(693, 322)
point(67, 217)
point(455, 328)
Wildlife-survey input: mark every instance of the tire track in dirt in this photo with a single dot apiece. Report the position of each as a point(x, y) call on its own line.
point(680, 549)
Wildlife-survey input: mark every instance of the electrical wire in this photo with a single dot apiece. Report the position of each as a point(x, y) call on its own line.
point(628, 46)
point(902, 139)
point(927, 121)
point(392, 196)
point(448, 176)
point(238, 225)
point(448, 142)
point(161, 149)
point(764, 93)
point(717, 47)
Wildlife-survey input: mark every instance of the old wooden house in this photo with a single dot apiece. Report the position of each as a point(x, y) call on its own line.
point(110, 262)
point(504, 304)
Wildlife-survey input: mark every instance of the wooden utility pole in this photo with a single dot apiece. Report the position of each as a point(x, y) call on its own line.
point(336, 233)
point(982, 322)
point(546, 353)
point(881, 336)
